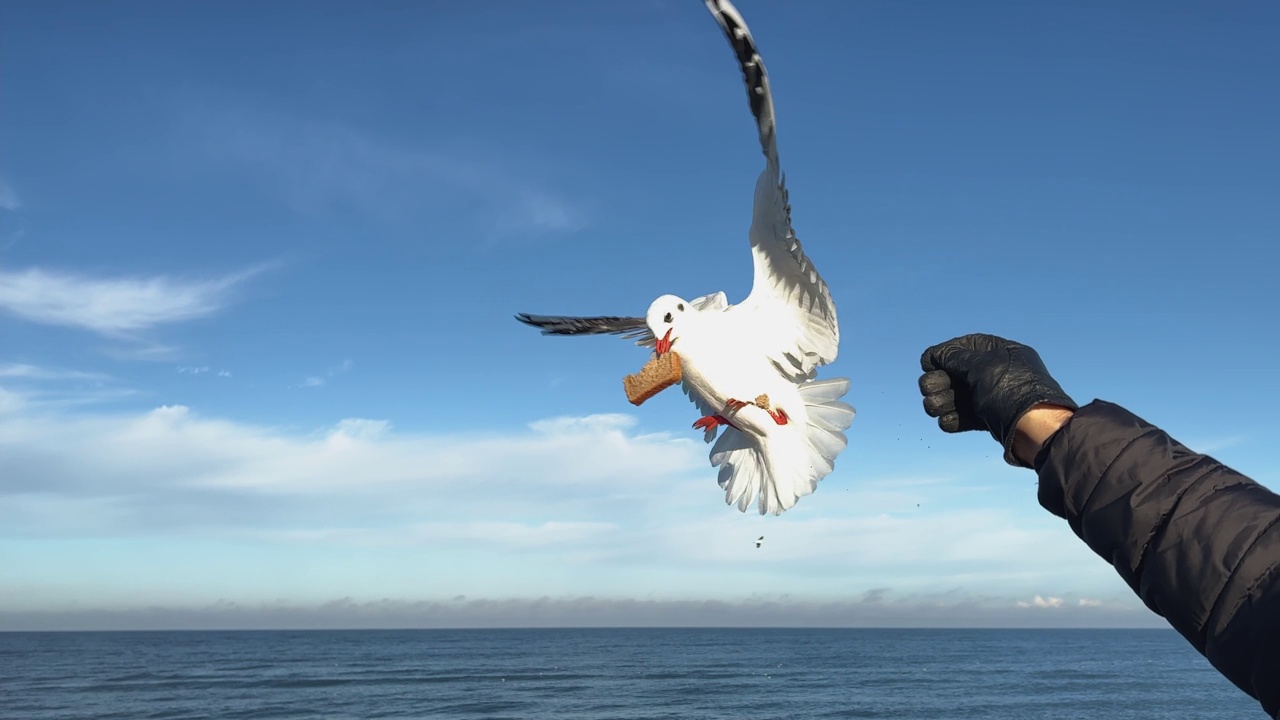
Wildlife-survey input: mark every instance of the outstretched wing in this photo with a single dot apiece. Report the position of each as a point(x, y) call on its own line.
point(631, 328)
point(628, 327)
point(788, 296)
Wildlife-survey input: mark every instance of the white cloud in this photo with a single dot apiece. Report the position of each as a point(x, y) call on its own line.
point(363, 429)
point(569, 469)
point(174, 449)
point(193, 370)
point(113, 306)
point(1089, 602)
point(591, 501)
point(224, 373)
point(313, 381)
point(1042, 602)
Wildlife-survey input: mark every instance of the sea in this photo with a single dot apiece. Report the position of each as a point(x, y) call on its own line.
point(596, 674)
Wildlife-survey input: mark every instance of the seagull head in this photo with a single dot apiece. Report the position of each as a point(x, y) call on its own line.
point(664, 320)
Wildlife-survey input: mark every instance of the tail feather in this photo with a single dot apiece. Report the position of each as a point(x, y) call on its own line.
point(834, 416)
point(741, 467)
point(788, 466)
point(824, 392)
point(827, 443)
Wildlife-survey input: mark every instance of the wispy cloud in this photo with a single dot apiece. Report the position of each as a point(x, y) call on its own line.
point(317, 167)
point(509, 537)
point(531, 213)
point(1211, 445)
point(11, 402)
point(113, 307)
point(143, 350)
point(15, 227)
point(36, 387)
point(8, 198)
point(319, 380)
point(202, 370)
point(35, 372)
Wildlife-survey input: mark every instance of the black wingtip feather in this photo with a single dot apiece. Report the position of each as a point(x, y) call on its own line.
point(627, 327)
point(752, 66)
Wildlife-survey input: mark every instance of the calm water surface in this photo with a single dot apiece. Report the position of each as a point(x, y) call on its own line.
point(596, 674)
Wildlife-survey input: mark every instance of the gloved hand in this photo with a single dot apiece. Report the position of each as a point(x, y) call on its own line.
point(984, 382)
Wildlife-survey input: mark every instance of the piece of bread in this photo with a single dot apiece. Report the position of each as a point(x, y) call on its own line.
point(657, 375)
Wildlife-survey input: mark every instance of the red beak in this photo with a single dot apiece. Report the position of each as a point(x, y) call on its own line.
point(664, 344)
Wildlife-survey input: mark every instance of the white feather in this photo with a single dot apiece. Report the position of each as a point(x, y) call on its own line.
point(784, 462)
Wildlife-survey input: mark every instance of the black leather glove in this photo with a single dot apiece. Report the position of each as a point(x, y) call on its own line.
point(984, 382)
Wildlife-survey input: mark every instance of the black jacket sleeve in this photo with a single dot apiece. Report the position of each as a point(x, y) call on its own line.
point(1196, 540)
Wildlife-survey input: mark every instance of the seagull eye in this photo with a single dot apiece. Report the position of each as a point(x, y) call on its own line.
point(680, 307)
point(666, 318)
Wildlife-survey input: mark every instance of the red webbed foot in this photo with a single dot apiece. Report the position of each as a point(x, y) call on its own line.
point(711, 422)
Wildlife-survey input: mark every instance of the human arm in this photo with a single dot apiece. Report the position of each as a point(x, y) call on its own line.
point(1198, 542)
point(1035, 428)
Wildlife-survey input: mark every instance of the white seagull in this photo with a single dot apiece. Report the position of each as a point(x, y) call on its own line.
point(778, 446)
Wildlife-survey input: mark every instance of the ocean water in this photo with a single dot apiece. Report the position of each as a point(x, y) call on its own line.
point(614, 673)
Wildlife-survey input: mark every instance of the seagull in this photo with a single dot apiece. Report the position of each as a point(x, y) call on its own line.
point(759, 541)
point(751, 367)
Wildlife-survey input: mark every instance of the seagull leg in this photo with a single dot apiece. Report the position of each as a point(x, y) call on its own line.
point(711, 422)
point(779, 415)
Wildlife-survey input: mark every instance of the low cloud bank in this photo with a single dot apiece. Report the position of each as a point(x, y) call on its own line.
point(872, 610)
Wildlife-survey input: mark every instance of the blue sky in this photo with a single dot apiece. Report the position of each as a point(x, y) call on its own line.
point(258, 266)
